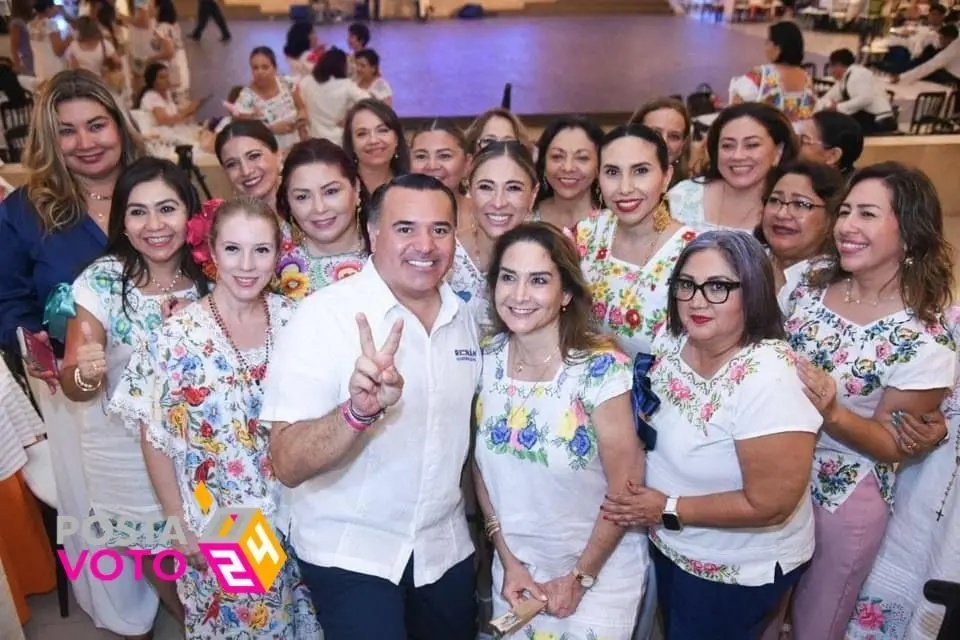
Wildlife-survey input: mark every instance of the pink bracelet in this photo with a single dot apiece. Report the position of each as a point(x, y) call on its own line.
point(356, 422)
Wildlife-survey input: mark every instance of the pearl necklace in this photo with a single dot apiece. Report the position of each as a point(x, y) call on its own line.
point(99, 197)
point(169, 288)
point(256, 374)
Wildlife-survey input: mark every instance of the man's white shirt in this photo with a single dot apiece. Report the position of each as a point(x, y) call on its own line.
point(864, 93)
point(399, 491)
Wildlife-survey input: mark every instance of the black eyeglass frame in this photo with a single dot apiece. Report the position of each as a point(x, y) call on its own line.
point(726, 287)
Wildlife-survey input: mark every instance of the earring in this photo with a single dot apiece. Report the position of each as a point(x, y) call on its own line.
point(908, 262)
point(464, 187)
point(662, 217)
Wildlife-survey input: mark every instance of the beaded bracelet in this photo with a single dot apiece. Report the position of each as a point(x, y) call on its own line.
point(82, 384)
point(354, 421)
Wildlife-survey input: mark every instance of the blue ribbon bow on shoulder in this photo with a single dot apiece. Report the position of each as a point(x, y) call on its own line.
point(59, 309)
point(645, 401)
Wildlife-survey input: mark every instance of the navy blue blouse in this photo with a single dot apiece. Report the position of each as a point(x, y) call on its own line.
point(32, 263)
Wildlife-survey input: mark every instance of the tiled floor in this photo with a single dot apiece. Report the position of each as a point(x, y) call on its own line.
point(46, 624)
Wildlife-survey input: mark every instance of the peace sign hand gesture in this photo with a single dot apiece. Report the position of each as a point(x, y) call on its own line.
point(375, 384)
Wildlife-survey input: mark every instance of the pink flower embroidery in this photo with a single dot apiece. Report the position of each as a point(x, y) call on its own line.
point(235, 468)
point(707, 412)
point(854, 387)
point(599, 311)
point(884, 349)
point(678, 389)
point(737, 371)
point(829, 467)
point(616, 317)
point(840, 357)
point(870, 616)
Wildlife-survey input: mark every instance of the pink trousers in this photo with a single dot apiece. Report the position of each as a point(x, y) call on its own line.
point(847, 544)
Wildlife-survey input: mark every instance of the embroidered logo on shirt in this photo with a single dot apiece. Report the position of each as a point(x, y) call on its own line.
point(465, 355)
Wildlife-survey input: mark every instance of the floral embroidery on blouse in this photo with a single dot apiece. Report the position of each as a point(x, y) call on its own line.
point(470, 285)
point(696, 398)
point(199, 411)
point(299, 274)
point(875, 618)
point(862, 359)
point(527, 427)
point(629, 301)
point(706, 570)
point(797, 105)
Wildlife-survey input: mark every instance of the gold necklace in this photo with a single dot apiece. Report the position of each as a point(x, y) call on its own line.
point(849, 299)
point(521, 363)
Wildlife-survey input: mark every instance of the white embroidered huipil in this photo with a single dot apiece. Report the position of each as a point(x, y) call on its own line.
point(895, 351)
point(536, 446)
point(629, 301)
point(757, 393)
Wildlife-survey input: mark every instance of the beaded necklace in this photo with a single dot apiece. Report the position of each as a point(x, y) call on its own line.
point(258, 373)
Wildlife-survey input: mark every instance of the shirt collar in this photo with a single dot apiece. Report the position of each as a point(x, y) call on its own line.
point(382, 300)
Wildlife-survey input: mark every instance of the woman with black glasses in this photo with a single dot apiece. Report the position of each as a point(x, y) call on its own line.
point(726, 501)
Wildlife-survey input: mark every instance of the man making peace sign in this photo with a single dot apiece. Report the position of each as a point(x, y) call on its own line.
point(369, 398)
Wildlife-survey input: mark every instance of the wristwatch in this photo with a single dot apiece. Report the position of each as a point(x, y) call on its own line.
point(669, 517)
point(585, 580)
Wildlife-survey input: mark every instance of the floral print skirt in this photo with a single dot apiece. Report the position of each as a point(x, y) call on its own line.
point(283, 613)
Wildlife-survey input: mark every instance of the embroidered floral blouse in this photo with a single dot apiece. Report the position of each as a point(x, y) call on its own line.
point(757, 393)
point(299, 273)
point(895, 351)
point(470, 285)
point(201, 410)
point(629, 301)
point(762, 84)
point(536, 446)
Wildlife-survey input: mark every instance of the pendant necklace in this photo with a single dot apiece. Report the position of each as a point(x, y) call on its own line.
point(849, 299)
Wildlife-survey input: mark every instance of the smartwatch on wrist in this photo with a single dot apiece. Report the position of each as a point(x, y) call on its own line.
point(669, 517)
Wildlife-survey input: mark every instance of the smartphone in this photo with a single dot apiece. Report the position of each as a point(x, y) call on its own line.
point(40, 353)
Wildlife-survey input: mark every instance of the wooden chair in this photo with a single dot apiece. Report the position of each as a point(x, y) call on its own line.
point(16, 138)
point(12, 115)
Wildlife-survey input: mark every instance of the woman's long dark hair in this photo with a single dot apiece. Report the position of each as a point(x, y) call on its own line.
point(149, 79)
point(298, 39)
point(118, 244)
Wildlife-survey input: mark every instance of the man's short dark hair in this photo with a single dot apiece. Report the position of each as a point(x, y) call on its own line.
point(361, 32)
point(938, 8)
point(949, 31)
point(843, 57)
point(414, 181)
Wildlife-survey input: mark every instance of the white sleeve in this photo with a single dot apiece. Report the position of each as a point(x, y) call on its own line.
point(771, 399)
point(85, 290)
point(304, 378)
point(833, 96)
point(152, 100)
point(71, 52)
point(860, 89)
point(939, 61)
point(932, 367)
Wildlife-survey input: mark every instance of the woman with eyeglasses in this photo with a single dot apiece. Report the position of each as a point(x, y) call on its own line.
point(726, 505)
point(877, 359)
point(800, 208)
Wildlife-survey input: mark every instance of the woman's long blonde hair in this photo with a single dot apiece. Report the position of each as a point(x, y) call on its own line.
point(54, 191)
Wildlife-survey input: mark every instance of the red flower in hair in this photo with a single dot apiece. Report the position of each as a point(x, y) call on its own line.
point(198, 236)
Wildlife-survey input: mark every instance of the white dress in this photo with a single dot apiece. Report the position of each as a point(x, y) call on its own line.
point(757, 393)
point(629, 301)
point(536, 446)
point(117, 482)
point(280, 108)
point(178, 65)
point(327, 105)
point(90, 59)
point(921, 541)
point(46, 63)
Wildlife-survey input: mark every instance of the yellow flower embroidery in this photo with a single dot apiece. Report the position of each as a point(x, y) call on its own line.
point(178, 418)
point(518, 418)
point(258, 616)
point(568, 425)
point(478, 411)
point(294, 284)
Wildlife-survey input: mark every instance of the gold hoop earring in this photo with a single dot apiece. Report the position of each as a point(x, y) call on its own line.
point(662, 217)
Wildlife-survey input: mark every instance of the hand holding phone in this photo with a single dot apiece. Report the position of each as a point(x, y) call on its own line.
point(41, 362)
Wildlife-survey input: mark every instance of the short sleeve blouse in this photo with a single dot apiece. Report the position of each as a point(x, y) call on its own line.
point(757, 393)
point(896, 351)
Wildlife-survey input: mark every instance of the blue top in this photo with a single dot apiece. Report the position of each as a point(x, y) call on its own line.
point(32, 263)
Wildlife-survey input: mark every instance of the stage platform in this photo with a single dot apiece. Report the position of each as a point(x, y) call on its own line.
point(603, 66)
